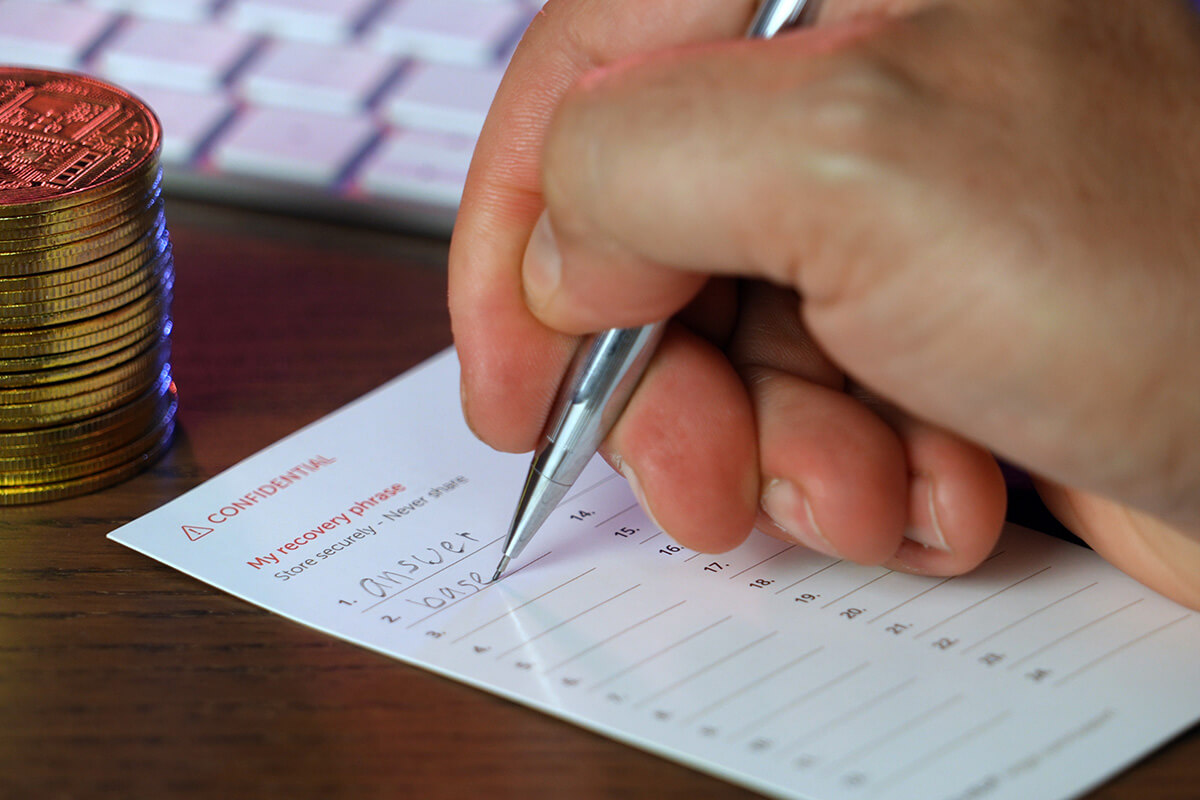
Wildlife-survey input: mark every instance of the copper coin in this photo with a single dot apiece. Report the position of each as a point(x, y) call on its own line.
point(69, 139)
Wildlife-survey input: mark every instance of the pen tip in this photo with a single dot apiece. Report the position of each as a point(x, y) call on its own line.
point(500, 569)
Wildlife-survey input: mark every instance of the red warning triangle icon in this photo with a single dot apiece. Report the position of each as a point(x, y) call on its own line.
point(194, 532)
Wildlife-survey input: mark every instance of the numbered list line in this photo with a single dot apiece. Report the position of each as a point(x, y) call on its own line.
point(658, 653)
point(1028, 616)
point(765, 560)
point(932, 757)
point(512, 611)
point(1137, 640)
point(709, 666)
point(858, 588)
point(751, 685)
point(811, 693)
point(892, 733)
point(616, 635)
point(1071, 633)
point(851, 713)
point(812, 574)
point(567, 621)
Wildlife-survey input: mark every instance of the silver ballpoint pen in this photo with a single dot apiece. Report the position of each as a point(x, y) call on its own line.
point(605, 371)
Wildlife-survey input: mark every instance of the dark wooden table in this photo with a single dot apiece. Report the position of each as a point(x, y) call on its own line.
point(122, 678)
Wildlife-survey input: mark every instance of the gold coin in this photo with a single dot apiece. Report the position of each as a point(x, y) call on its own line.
point(87, 223)
point(150, 244)
point(92, 349)
point(56, 490)
point(66, 217)
point(99, 245)
point(63, 410)
point(35, 372)
point(75, 336)
point(48, 312)
point(90, 434)
point(71, 140)
point(148, 363)
point(14, 474)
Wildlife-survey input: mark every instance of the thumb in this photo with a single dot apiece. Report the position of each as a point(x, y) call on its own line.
point(662, 170)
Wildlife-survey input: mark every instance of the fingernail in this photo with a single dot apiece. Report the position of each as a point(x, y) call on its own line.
point(636, 485)
point(791, 511)
point(541, 268)
point(925, 528)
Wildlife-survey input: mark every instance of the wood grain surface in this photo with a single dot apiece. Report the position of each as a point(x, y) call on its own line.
point(122, 678)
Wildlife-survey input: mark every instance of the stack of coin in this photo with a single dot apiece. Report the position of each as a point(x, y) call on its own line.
point(86, 273)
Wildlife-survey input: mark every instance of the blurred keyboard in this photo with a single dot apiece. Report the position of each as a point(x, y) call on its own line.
point(354, 110)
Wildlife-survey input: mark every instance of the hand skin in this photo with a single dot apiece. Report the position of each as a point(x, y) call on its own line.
point(895, 243)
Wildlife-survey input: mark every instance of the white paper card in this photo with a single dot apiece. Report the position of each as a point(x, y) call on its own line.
point(789, 672)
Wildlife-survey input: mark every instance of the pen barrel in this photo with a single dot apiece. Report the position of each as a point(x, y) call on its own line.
point(773, 16)
point(598, 385)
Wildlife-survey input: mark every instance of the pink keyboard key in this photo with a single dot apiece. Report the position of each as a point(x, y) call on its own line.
point(450, 31)
point(173, 54)
point(328, 21)
point(337, 80)
point(290, 145)
point(49, 35)
point(443, 97)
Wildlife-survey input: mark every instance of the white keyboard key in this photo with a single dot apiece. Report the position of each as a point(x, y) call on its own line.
point(175, 55)
point(417, 166)
point(188, 119)
point(444, 97)
point(451, 31)
point(290, 145)
point(336, 80)
point(181, 10)
point(327, 21)
point(49, 35)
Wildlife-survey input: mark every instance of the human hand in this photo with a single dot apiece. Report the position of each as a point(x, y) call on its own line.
point(958, 228)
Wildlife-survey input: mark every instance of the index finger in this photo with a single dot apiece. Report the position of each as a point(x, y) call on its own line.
point(511, 362)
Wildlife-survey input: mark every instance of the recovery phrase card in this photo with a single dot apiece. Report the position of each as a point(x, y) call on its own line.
point(786, 671)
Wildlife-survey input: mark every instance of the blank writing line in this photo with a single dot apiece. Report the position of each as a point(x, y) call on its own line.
point(852, 591)
point(916, 596)
point(704, 669)
point(1069, 634)
point(980, 602)
point(956, 742)
point(810, 575)
point(518, 608)
point(765, 560)
point(1115, 650)
point(748, 686)
point(829, 684)
point(614, 516)
point(587, 489)
point(481, 591)
point(1028, 616)
point(570, 619)
point(621, 632)
point(655, 655)
point(888, 735)
point(853, 712)
point(430, 575)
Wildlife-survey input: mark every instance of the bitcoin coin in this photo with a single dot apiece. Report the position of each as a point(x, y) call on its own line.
point(70, 140)
point(87, 396)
